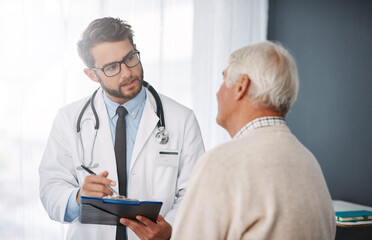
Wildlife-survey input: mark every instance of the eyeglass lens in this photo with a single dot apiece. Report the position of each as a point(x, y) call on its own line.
point(130, 61)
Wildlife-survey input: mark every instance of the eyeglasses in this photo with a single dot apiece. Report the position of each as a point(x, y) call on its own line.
point(113, 69)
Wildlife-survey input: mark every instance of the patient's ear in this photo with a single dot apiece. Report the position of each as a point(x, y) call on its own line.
point(90, 73)
point(241, 87)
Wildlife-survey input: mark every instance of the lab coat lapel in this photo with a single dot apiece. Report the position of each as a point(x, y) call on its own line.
point(104, 153)
point(147, 125)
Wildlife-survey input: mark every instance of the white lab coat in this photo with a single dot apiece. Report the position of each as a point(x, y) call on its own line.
point(147, 180)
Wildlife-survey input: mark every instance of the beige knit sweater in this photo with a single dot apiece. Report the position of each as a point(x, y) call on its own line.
point(264, 185)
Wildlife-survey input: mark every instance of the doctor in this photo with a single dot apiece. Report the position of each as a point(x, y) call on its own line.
point(155, 170)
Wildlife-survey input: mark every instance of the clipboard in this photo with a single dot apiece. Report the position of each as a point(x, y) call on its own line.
point(109, 211)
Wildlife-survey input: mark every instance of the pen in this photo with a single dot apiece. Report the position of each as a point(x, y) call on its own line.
point(93, 173)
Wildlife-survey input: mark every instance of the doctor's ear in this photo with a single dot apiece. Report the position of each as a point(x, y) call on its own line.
point(241, 87)
point(90, 73)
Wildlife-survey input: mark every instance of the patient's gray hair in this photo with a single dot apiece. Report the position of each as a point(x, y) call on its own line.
point(272, 71)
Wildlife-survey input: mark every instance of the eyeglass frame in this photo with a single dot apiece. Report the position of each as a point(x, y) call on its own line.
point(120, 62)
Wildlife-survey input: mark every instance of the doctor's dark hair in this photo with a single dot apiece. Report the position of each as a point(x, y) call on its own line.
point(101, 30)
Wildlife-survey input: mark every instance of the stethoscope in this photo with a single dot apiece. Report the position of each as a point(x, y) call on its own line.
point(162, 136)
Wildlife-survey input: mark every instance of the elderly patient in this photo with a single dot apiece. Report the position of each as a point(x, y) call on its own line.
point(263, 184)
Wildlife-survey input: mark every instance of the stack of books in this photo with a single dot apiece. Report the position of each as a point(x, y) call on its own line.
point(353, 216)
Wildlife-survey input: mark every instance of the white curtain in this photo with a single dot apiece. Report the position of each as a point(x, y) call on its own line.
point(183, 44)
point(220, 27)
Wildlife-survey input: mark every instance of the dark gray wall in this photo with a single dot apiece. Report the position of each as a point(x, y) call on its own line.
point(331, 41)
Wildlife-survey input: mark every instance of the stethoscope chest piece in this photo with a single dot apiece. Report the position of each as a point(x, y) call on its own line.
point(162, 136)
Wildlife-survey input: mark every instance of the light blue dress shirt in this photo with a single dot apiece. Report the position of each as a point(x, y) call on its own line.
point(135, 108)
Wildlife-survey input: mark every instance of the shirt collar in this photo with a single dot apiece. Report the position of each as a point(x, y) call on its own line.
point(133, 106)
point(258, 123)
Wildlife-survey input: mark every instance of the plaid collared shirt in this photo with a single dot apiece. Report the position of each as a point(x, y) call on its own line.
point(258, 123)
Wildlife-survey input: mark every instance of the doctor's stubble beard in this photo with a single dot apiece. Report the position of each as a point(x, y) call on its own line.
point(117, 92)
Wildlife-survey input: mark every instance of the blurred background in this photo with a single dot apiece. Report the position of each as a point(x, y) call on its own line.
point(184, 46)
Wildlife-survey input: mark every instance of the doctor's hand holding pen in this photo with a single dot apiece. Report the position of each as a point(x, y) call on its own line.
point(99, 186)
point(96, 186)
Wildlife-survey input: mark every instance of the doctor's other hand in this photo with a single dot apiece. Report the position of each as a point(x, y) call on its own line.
point(94, 186)
point(147, 229)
